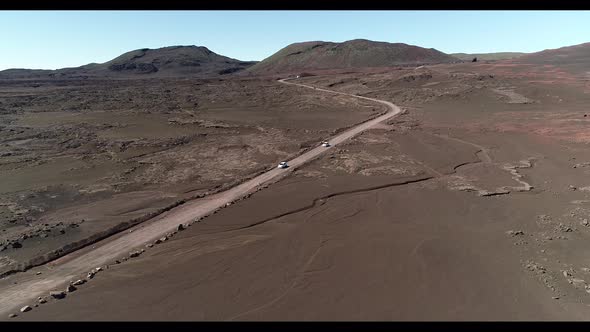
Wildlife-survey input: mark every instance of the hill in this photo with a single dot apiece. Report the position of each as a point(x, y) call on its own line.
point(166, 61)
point(574, 58)
point(358, 53)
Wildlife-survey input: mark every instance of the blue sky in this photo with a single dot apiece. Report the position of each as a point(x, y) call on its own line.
point(56, 39)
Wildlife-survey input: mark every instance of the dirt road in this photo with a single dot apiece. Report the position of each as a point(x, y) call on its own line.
point(77, 264)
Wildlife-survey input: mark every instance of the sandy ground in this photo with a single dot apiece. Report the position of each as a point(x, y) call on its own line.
point(168, 222)
point(80, 157)
point(402, 261)
point(466, 208)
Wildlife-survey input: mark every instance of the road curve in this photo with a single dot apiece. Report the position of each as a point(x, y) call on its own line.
point(77, 264)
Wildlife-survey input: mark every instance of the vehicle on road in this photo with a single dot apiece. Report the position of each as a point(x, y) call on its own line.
point(326, 144)
point(283, 164)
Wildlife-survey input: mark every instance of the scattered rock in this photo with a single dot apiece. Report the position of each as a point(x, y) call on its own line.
point(163, 239)
point(565, 228)
point(578, 282)
point(71, 288)
point(180, 227)
point(536, 268)
point(42, 300)
point(567, 274)
point(555, 297)
point(149, 245)
point(16, 245)
point(135, 254)
point(38, 273)
point(585, 269)
point(98, 269)
point(57, 294)
point(117, 262)
point(26, 308)
point(12, 315)
point(90, 275)
point(79, 282)
point(515, 233)
point(572, 187)
point(585, 222)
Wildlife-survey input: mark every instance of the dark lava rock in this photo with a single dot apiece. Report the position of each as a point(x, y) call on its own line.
point(57, 294)
point(515, 233)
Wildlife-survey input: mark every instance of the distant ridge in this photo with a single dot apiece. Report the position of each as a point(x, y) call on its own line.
point(165, 61)
point(488, 56)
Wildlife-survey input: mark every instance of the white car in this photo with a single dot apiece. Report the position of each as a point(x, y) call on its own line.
point(326, 144)
point(283, 164)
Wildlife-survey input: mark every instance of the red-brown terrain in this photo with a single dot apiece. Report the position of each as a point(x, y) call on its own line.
point(470, 205)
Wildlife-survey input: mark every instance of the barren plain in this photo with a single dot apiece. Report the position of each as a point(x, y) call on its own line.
point(471, 205)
